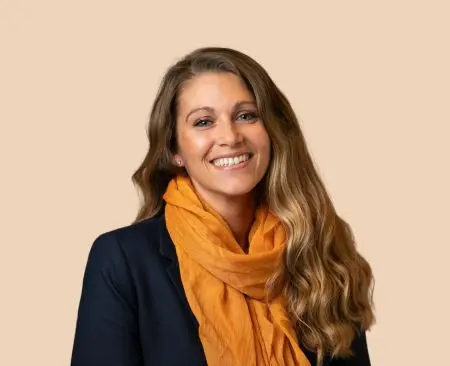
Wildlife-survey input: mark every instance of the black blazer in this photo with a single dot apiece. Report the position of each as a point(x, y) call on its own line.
point(133, 310)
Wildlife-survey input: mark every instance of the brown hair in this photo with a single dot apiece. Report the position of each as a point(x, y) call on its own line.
point(327, 283)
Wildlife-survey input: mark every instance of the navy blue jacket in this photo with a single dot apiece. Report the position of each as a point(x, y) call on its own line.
point(133, 310)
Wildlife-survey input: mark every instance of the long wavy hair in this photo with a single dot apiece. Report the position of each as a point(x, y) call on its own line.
point(328, 285)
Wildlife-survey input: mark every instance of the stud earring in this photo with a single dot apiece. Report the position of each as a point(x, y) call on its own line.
point(179, 162)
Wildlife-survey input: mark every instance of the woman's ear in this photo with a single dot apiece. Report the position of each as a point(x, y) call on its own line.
point(177, 160)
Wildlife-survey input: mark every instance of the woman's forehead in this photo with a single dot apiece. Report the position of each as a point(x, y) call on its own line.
point(214, 90)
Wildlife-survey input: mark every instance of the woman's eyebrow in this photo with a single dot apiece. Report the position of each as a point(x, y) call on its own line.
point(211, 110)
point(208, 109)
point(243, 104)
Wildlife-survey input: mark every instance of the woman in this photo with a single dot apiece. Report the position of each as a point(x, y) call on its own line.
point(237, 255)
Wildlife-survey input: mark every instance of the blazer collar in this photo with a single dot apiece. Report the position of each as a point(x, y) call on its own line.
point(166, 246)
point(167, 250)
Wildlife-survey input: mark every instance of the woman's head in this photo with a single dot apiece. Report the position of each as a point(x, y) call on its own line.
point(220, 139)
point(326, 282)
point(218, 103)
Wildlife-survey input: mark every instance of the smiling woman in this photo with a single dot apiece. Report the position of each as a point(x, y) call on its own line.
point(237, 255)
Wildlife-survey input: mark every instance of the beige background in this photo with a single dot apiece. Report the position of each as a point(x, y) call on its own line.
point(369, 81)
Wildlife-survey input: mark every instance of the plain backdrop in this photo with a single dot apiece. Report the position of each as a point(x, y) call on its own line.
point(370, 83)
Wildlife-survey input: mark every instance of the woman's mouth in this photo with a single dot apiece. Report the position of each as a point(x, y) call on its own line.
point(232, 162)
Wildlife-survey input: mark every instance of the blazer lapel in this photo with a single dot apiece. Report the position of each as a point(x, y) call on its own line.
point(167, 250)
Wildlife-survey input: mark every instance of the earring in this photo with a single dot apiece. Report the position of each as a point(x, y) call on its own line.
point(179, 162)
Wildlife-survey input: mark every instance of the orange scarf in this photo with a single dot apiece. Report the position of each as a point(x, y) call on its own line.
point(225, 287)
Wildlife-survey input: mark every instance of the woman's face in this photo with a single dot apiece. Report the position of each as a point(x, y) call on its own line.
point(222, 143)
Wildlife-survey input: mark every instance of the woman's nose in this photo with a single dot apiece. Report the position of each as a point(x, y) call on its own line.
point(228, 133)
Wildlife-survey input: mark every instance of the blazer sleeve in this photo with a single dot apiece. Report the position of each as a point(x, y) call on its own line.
point(360, 353)
point(106, 331)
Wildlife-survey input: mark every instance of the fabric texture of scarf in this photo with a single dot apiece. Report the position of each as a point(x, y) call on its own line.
point(225, 287)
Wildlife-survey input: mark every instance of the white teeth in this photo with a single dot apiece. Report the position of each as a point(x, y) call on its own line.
point(231, 161)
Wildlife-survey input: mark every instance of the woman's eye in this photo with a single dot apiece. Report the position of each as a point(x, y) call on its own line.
point(202, 123)
point(247, 116)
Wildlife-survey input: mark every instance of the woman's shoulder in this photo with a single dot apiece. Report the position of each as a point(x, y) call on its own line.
point(149, 229)
point(130, 245)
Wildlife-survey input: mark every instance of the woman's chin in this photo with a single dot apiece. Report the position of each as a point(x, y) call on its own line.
point(235, 190)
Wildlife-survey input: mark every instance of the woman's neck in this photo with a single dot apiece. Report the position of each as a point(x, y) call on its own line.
point(238, 212)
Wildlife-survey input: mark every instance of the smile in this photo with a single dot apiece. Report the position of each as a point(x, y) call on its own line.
point(229, 162)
